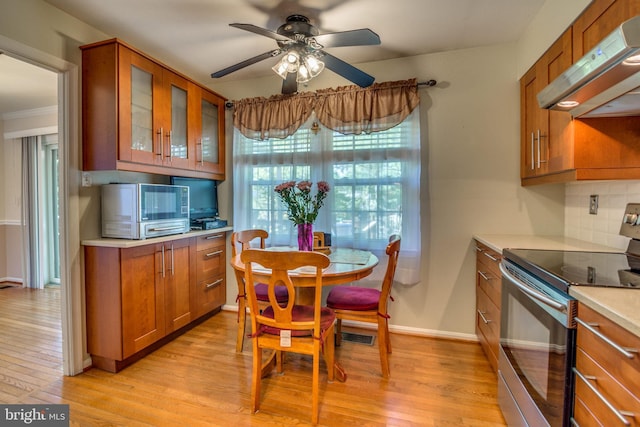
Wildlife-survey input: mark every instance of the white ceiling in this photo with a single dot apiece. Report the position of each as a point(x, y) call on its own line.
point(193, 36)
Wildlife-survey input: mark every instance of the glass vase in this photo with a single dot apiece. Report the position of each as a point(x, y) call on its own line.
point(305, 237)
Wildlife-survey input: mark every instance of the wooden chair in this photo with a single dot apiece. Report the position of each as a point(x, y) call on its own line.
point(318, 239)
point(311, 327)
point(368, 305)
point(243, 239)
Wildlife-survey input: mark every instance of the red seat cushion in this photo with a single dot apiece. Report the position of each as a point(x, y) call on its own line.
point(353, 298)
point(301, 313)
point(262, 290)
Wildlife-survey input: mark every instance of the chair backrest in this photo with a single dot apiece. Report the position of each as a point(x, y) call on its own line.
point(245, 237)
point(281, 263)
point(393, 250)
point(318, 239)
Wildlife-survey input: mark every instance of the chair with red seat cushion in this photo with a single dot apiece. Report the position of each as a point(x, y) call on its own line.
point(368, 305)
point(243, 239)
point(311, 326)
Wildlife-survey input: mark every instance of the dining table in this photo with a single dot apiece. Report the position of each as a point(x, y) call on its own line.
point(347, 265)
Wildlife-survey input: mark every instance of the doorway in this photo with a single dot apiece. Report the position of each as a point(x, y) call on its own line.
point(67, 113)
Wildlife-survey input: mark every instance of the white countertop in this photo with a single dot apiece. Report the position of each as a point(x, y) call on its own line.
point(498, 242)
point(126, 243)
point(620, 305)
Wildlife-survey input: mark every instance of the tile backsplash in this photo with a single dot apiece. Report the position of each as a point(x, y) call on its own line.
point(602, 228)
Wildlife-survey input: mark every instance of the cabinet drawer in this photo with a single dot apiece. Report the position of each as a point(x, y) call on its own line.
point(488, 257)
point(583, 415)
point(211, 241)
point(625, 370)
point(210, 293)
point(488, 326)
point(610, 389)
point(210, 262)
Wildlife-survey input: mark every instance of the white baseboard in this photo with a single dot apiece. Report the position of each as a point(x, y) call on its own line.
point(405, 330)
point(11, 279)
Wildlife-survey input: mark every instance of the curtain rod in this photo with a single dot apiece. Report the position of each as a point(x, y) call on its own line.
point(428, 83)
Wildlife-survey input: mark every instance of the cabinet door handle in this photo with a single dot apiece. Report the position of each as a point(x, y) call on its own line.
point(484, 319)
point(201, 152)
point(216, 236)
point(619, 414)
point(210, 254)
point(591, 327)
point(173, 270)
point(211, 285)
point(161, 142)
point(538, 148)
point(170, 141)
point(484, 276)
point(533, 158)
point(163, 274)
point(492, 258)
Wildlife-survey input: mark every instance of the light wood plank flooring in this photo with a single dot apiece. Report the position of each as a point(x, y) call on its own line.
point(199, 380)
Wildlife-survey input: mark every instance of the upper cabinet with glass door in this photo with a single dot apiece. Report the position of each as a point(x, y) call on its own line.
point(209, 132)
point(140, 116)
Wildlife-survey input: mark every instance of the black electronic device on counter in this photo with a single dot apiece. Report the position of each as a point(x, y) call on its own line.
point(207, 223)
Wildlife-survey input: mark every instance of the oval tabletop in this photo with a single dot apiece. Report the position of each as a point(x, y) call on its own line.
point(347, 265)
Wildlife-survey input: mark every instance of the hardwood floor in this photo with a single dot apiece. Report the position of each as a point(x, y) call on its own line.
point(199, 380)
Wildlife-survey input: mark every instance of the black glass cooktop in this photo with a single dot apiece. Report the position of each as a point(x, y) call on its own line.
point(571, 268)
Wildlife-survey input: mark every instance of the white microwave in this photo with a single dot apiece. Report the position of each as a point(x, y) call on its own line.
point(140, 211)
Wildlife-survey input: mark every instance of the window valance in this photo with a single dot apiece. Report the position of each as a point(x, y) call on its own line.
point(346, 109)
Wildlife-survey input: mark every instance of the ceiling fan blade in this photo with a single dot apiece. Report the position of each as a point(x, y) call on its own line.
point(347, 71)
point(360, 37)
point(271, 54)
point(290, 85)
point(262, 31)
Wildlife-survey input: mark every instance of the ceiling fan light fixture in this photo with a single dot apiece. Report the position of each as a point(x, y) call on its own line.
point(313, 65)
point(289, 63)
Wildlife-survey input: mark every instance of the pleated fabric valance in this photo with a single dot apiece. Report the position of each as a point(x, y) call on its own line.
point(346, 109)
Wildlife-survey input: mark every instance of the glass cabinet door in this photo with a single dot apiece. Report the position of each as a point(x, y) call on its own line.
point(176, 117)
point(139, 135)
point(210, 145)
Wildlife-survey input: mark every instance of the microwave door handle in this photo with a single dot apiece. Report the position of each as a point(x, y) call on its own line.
point(533, 293)
point(177, 227)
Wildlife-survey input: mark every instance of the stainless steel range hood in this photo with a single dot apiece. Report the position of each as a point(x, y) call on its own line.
point(603, 83)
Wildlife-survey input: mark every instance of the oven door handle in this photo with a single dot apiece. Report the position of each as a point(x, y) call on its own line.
point(532, 292)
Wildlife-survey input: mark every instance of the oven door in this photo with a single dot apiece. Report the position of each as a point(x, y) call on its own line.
point(536, 350)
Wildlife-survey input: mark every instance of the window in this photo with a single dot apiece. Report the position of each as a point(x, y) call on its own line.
point(374, 181)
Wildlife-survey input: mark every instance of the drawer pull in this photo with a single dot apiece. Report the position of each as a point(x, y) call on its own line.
point(484, 276)
point(619, 414)
point(484, 319)
point(478, 249)
point(591, 327)
point(211, 285)
point(210, 254)
point(574, 422)
point(492, 258)
point(215, 236)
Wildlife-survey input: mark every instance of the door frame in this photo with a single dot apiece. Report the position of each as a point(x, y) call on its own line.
point(74, 356)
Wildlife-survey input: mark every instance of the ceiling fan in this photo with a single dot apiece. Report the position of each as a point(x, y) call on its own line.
point(302, 46)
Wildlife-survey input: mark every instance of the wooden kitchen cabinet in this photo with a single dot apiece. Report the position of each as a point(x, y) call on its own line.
point(579, 149)
point(210, 276)
point(488, 301)
point(598, 21)
point(139, 297)
point(208, 132)
point(606, 379)
point(546, 135)
point(141, 116)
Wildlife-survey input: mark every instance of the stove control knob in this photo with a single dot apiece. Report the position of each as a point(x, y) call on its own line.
point(631, 218)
